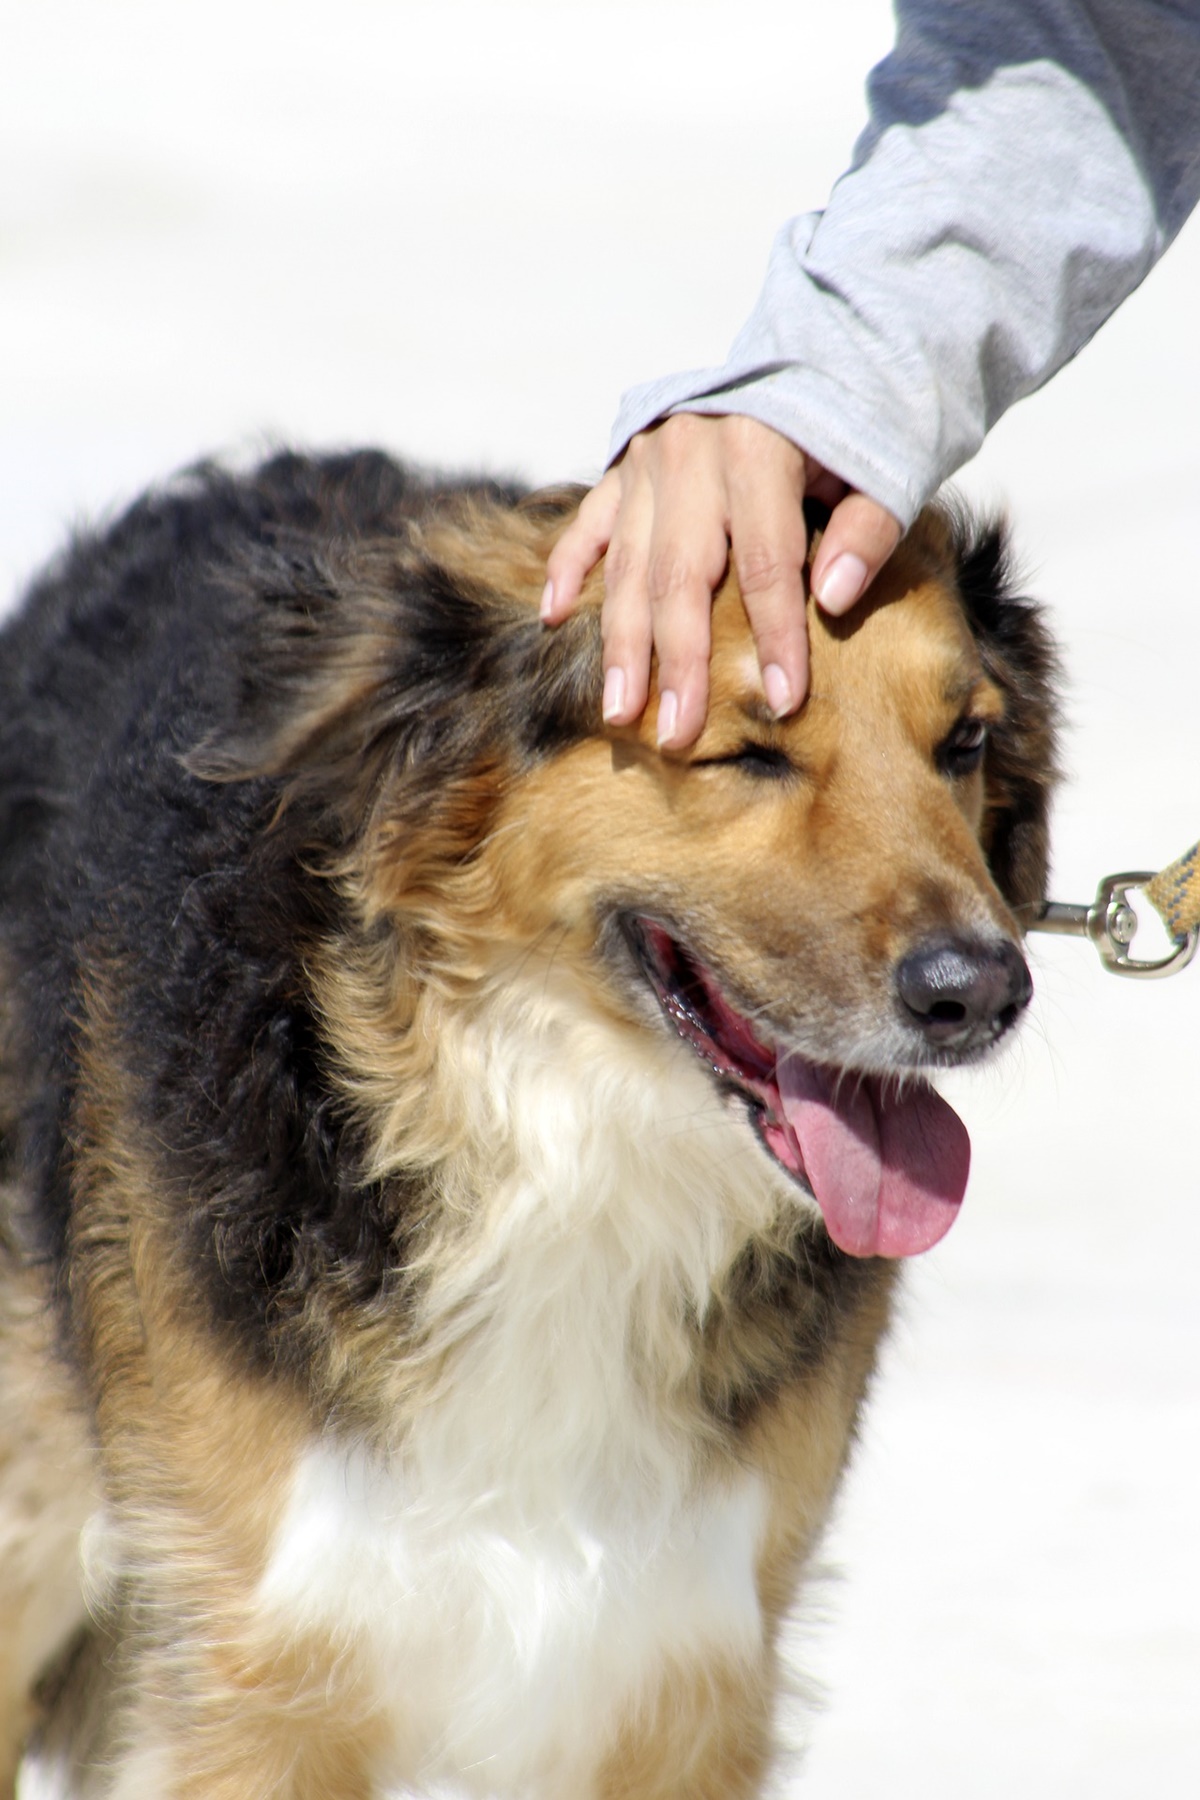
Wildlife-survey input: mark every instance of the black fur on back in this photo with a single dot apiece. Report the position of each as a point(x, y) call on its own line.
point(194, 639)
point(199, 710)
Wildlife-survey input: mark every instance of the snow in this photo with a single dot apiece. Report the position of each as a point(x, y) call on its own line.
point(460, 228)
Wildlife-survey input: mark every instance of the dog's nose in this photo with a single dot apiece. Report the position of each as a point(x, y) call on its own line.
point(963, 993)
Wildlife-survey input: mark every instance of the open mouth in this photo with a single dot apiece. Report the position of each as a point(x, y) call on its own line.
point(886, 1159)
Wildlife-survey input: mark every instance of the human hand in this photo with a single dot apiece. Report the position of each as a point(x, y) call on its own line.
point(687, 495)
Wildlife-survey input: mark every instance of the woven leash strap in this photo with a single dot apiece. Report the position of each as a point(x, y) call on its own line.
point(1175, 893)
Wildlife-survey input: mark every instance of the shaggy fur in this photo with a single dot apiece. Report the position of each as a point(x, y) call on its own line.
point(401, 1301)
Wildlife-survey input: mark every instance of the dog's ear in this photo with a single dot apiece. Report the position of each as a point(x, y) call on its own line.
point(1019, 655)
point(371, 666)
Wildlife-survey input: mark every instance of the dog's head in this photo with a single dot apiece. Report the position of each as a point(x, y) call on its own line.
point(824, 909)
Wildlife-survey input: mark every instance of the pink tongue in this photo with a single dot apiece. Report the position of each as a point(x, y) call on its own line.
point(889, 1171)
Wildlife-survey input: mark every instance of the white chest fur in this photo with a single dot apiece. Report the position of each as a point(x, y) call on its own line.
point(502, 1645)
point(541, 1546)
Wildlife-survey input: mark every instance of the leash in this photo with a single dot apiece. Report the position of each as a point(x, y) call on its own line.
point(1111, 921)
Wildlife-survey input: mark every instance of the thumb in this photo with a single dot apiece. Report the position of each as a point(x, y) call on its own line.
point(580, 547)
point(857, 541)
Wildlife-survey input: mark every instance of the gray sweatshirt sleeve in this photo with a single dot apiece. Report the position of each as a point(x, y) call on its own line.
point(1025, 165)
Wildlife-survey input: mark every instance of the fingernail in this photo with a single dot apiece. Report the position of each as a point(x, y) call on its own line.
point(842, 582)
point(613, 703)
point(778, 690)
point(547, 606)
point(668, 716)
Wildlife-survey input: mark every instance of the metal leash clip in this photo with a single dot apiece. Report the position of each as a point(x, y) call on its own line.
point(1111, 923)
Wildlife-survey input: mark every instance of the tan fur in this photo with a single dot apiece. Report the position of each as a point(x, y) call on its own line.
point(197, 1455)
point(706, 1733)
point(47, 1490)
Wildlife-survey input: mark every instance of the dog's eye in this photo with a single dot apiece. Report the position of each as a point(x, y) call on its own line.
point(962, 752)
point(763, 761)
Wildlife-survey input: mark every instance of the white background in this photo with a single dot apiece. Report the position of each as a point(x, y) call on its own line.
point(460, 229)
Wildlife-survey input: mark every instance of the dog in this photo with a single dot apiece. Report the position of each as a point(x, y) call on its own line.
point(456, 1158)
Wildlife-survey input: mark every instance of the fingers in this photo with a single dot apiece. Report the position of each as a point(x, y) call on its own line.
point(669, 561)
point(765, 478)
point(857, 541)
point(626, 626)
point(660, 515)
point(688, 488)
point(686, 495)
point(580, 548)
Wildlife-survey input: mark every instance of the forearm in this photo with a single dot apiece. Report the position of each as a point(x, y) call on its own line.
point(1023, 169)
